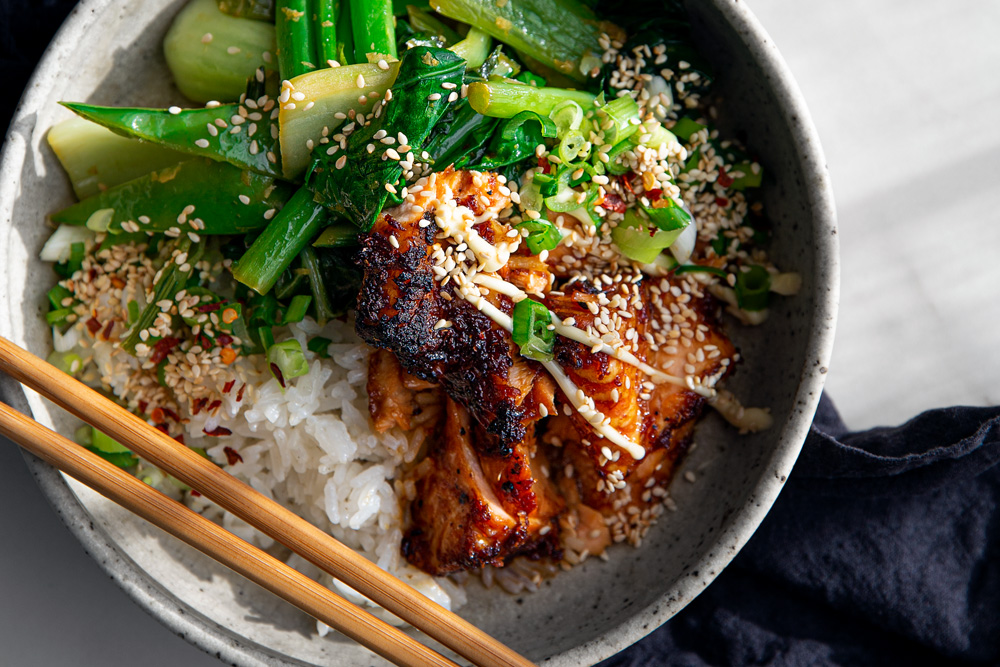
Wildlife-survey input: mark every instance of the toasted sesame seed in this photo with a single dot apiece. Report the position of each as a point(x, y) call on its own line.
point(202, 143)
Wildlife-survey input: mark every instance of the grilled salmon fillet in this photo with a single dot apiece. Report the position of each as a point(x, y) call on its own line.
point(437, 336)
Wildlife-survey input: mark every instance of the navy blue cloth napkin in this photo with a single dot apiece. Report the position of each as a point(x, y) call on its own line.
point(883, 549)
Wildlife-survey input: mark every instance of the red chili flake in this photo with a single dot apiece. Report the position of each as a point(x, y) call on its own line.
point(93, 326)
point(545, 165)
point(142, 406)
point(722, 202)
point(232, 456)
point(162, 348)
point(198, 405)
point(194, 493)
point(654, 194)
point(613, 202)
point(226, 388)
point(157, 416)
point(218, 431)
point(724, 179)
point(209, 307)
point(173, 415)
point(162, 428)
point(239, 394)
point(278, 374)
point(214, 405)
point(108, 329)
point(224, 339)
point(180, 438)
point(626, 181)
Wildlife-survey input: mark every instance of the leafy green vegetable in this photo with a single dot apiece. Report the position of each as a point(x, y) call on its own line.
point(187, 132)
point(357, 189)
point(213, 192)
point(561, 34)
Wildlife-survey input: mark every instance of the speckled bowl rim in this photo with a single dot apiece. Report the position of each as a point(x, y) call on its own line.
point(225, 645)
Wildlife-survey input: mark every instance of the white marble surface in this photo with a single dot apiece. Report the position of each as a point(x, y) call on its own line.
point(907, 102)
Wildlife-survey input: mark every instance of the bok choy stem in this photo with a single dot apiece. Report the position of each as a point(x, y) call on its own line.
point(212, 54)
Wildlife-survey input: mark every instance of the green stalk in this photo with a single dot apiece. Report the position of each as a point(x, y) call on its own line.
point(424, 22)
point(171, 280)
point(474, 49)
point(321, 299)
point(196, 132)
point(374, 30)
point(327, 45)
point(501, 99)
point(561, 34)
point(96, 158)
point(212, 192)
point(345, 34)
point(281, 242)
point(211, 54)
point(296, 38)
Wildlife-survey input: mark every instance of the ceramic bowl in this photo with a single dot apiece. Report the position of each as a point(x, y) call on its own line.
point(108, 52)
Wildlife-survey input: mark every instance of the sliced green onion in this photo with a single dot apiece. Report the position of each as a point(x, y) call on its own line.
point(57, 294)
point(517, 120)
point(624, 116)
point(133, 311)
point(567, 116)
point(298, 308)
point(319, 346)
point(573, 147)
point(669, 217)
point(288, 357)
point(613, 165)
point(111, 450)
point(531, 322)
point(542, 235)
point(752, 288)
point(640, 241)
point(67, 362)
point(697, 268)
point(58, 316)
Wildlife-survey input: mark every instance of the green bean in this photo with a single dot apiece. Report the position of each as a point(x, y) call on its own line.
point(296, 38)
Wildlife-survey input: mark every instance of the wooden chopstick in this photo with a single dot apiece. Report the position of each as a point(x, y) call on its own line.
point(213, 540)
point(258, 510)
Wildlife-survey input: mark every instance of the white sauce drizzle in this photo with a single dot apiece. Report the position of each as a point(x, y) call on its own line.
point(748, 420)
point(576, 396)
point(581, 336)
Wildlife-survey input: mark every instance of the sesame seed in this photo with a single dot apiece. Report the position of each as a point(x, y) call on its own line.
point(360, 81)
point(245, 199)
point(233, 50)
point(175, 110)
point(341, 162)
point(202, 143)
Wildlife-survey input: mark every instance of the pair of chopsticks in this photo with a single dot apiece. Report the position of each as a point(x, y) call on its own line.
point(256, 509)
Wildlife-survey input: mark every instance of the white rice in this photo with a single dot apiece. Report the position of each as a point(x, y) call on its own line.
point(311, 446)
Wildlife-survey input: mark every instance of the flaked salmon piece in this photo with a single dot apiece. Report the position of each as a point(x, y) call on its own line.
point(396, 398)
point(459, 521)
